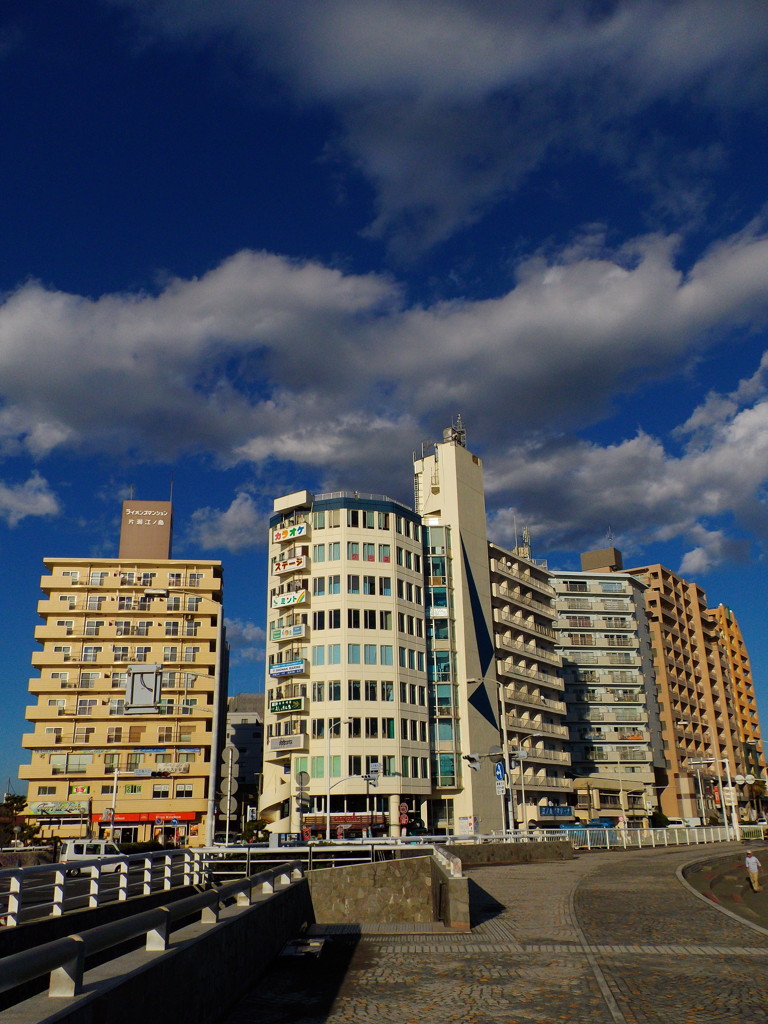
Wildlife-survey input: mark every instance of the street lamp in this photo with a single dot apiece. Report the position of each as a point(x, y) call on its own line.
point(337, 723)
point(716, 762)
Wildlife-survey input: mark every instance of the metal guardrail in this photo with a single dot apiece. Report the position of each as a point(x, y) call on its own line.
point(51, 890)
point(64, 959)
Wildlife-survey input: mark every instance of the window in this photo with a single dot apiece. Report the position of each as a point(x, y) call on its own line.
point(88, 680)
point(85, 706)
point(334, 654)
point(369, 520)
point(371, 689)
point(318, 518)
point(354, 728)
point(353, 584)
point(83, 733)
point(172, 628)
point(353, 550)
point(318, 620)
point(334, 584)
point(115, 734)
point(174, 579)
point(372, 728)
point(387, 728)
point(120, 653)
point(170, 654)
point(403, 728)
point(318, 552)
point(404, 762)
point(73, 575)
point(165, 734)
point(318, 728)
point(385, 620)
point(161, 791)
point(63, 678)
point(334, 618)
point(142, 653)
point(318, 586)
point(388, 690)
point(318, 654)
point(369, 585)
point(399, 555)
point(353, 618)
point(92, 627)
point(117, 706)
point(385, 654)
point(369, 654)
point(46, 790)
point(353, 517)
point(191, 653)
point(334, 551)
point(369, 552)
point(354, 765)
point(135, 761)
point(91, 653)
point(401, 657)
point(184, 790)
point(96, 579)
point(193, 603)
point(369, 618)
point(318, 691)
point(353, 689)
point(334, 689)
point(353, 654)
point(385, 586)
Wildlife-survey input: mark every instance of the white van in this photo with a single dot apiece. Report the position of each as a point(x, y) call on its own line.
point(87, 849)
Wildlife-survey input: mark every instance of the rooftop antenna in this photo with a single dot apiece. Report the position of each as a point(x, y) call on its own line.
point(610, 536)
point(170, 496)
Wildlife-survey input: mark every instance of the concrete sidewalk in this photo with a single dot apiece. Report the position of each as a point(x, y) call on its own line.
point(607, 938)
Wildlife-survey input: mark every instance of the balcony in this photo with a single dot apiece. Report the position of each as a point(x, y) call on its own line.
point(529, 650)
point(505, 593)
point(506, 668)
point(513, 696)
point(527, 725)
point(526, 578)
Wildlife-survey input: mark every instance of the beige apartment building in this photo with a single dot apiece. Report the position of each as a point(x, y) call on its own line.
point(128, 700)
point(741, 695)
point(699, 730)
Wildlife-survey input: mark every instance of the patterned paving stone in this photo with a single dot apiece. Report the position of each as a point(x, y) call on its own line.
point(604, 939)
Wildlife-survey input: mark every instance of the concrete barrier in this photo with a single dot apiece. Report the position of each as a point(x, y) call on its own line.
point(479, 854)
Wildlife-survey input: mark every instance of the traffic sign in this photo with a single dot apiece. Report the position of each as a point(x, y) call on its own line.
point(498, 771)
point(403, 808)
point(500, 787)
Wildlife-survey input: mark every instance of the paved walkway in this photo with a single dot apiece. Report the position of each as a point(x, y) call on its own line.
point(609, 938)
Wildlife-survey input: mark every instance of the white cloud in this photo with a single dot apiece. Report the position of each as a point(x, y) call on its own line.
point(570, 493)
point(31, 498)
point(235, 529)
point(246, 639)
point(446, 106)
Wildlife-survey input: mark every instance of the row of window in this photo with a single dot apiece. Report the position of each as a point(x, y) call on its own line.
point(93, 627)
point(331, 552)
point(367, 654)
point(367, 689)
point(409, 767)
point(365, 519)
point(371, 728)
point(169, 680)
point(85, 705)
point(121, 652)
point(127, 603)
point(98, 578)
point(80, 762)
point(160, 790)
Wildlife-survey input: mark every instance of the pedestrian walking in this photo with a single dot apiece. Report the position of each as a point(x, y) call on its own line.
point(753, 867)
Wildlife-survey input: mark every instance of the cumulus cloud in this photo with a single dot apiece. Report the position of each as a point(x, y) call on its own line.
point(570, 492)
point(236, 528)
point(444, 107)
point(246, 639)
point(32, 498)
point(264, 358)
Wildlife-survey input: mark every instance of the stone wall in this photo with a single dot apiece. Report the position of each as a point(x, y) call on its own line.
point(384, 892)
point(478, 854)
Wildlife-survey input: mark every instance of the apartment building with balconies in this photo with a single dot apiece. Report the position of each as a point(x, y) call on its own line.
point(610, 691)
point(531, 688)
point(100, 764)
point(699, 728)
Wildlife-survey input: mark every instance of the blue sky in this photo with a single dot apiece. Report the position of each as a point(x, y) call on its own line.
point(257, 246)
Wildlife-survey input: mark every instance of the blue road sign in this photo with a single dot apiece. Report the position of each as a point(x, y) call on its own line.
point(498, 771)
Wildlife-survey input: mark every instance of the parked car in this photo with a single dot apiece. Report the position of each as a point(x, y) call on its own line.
point(601, 823)
point(73, 850)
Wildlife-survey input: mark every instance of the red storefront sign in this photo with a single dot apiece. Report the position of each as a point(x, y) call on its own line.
point(151, 816)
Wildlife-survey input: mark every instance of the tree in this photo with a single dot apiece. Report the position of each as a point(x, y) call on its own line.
point(11, 810)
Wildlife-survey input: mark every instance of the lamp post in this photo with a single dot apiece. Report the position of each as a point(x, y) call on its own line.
point(338, 723)
point(716, 762)
point(520, 755)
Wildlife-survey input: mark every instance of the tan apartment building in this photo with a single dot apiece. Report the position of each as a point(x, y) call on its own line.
point(128, 700)
point(699, 732)
point(741, 693)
